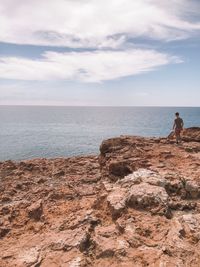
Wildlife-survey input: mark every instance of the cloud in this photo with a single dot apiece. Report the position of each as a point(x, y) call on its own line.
point(93, 66)
point(108, 27)
point(95, 23)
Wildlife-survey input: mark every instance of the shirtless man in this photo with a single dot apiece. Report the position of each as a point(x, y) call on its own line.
point(178, 127)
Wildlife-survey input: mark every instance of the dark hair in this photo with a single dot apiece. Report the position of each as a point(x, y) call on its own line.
point(177, 114)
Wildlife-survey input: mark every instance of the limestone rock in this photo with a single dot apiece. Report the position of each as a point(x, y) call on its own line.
point(117, 201)
point(66, 240)
point(142, 189)
point(192, 188)
point(106, 231)
point(191, 226)
point(72, 258)
point(145, 176)
point(28, 257)
point(4, 231)
point(191, 134)
point(104, 210)
point(119, 168)
point(108, 247)
point(144, 196)
point(35, 211)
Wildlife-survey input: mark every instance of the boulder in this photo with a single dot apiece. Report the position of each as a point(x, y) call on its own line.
point(72, 258)
point(117, 201)
point(109, 247)
point(192, 188)
point(35, 211)
point(191, 226)
point(112, 144)
point(28, 257)
point(69, 239)
point(145, 196)
point(119, 168)
point(191, 134)
point(142, 189)
point(143, 176)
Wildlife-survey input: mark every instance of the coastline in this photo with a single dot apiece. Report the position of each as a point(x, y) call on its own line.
point(48, 132)
point(137, 202)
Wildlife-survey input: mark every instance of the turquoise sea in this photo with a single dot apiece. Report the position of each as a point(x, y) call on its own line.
point(39, 131)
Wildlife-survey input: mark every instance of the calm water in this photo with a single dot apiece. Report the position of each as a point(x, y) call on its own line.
point(30, 132)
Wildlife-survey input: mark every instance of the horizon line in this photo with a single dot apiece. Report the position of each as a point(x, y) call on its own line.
point(112, 106)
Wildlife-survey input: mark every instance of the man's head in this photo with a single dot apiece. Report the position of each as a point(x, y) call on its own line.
point(177, 114)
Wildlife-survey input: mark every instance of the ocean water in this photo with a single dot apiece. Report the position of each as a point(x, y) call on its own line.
point(39, 131)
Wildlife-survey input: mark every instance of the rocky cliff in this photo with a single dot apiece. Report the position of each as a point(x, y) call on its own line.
point(136, 204)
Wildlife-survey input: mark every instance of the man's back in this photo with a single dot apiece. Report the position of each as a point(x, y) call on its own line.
point(179, 123)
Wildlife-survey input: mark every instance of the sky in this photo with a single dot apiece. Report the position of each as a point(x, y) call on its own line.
point(100, 52)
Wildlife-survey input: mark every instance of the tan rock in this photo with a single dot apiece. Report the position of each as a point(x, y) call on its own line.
point(3, 232)
point(35, 211)
point(106, 231)
point(66, 240)
point(191, 134)
point(191, 225)
point(109, 247)
point(119, 168)
point(192, 188)
point(117, 201)
point(91, 211)
point(145, 176)
point(144, 195)
point(28, 257)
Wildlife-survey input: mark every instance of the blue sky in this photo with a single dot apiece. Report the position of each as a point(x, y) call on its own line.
point(89, 52)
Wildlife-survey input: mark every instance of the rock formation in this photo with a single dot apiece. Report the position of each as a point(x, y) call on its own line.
point(136, 204)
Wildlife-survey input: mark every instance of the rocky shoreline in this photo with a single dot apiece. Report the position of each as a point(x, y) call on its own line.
point(136, 204)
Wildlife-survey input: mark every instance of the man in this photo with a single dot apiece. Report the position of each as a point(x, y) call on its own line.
point(178, 127)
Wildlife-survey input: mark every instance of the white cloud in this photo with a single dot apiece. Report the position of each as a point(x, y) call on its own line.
point(94, 23)
point(88, 66)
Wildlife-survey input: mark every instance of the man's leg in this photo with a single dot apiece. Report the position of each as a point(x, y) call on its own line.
point(177, 138)
point(177, 132)
point(180, 139)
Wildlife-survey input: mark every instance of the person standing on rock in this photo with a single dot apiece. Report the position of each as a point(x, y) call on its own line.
point(178, 127)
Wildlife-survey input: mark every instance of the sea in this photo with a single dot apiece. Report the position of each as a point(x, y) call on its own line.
point(28, 132)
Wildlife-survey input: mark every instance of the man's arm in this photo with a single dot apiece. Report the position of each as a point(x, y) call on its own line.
point(174, 125)
point(182, 124)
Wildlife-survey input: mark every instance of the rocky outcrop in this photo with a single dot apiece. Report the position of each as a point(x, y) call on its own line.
point(143, 190)
point(137, 204)
point(191, 134)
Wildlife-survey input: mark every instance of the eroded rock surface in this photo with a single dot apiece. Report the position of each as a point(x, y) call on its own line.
point(137, 204)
